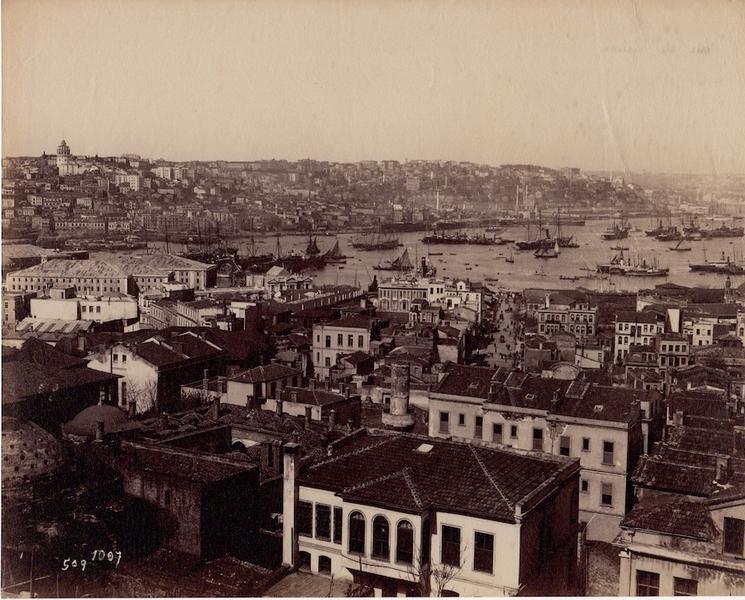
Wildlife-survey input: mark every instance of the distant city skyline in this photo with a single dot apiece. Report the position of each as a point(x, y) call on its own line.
point(605, 86)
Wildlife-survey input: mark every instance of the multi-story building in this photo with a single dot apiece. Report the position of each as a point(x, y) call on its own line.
point(131, 180)
point(397, 295)
point(399, 514)
point(339, 338)
point(277, 280)
point(634, 328)
point(600, 425)
point(673, 350)
point(684, 548)
point(99, 308)
point(563, 313)
point(16, 307)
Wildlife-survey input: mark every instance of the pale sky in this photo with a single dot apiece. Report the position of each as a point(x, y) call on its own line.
point(650, 85)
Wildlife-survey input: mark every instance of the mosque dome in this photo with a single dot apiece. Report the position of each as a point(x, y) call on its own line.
point(28, 452)
point(84, 423)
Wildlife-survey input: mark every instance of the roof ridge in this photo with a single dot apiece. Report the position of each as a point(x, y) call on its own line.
point(489, 477)
point(376, 480)
point(412, 487)
point(352, 453)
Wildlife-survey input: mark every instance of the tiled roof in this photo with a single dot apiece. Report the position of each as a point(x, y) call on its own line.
point(631, 316)
point(712, 406)
point(462, 380)
point(308, 396)
point(270, 372)
point(352, 321)
point(355, 358)
point(23, 379)
point(390, 470)
point(159, 355)
point(604, 403)
point(176, 463)
point(689, 519)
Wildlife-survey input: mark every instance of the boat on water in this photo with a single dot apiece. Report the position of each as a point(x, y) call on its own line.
point(725, 266)
point(724, 231)
point(548, 252)
point(619, 248)
point(402, 263)
point(681, 247)
point(435, 254)
point(569, 277)
point(622, 265)
point(334, 255)
point(655, 231)
point(375, 241)
point(459, 238)
point(494, 229)
point(615, 232)
point(671, 234)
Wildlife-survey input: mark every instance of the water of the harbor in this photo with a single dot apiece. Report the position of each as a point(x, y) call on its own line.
point(482, 262)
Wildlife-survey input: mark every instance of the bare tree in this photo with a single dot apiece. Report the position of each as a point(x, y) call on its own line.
point(145, 395)
point(432, 580)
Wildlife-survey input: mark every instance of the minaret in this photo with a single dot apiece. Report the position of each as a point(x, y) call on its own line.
point(398, 416)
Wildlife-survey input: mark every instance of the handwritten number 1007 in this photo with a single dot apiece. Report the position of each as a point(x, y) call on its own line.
point(98, 556)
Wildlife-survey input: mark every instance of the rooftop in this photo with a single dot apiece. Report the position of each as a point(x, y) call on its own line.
point(414, 473)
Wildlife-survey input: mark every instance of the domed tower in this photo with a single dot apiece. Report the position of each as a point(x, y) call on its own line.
point(399, 416)
point(63, 157)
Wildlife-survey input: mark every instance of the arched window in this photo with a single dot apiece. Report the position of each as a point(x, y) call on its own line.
point(405, 543)
point(381, 536)
point(357, 533)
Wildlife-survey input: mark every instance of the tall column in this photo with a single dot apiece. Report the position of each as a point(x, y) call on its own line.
point(289, 503)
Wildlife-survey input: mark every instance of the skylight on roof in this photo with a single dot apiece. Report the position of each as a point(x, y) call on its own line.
point(424, 449)
point(598, 408)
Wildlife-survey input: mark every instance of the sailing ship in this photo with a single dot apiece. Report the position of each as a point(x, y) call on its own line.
point(680, 247)
point(334, 255)
point(563, 241)
point(536, 244)
point(726, 266)
point(548, 252)
point(671, 234)
point(375, 241)
point(655, 231)
point(402, 263)
point(460, 238)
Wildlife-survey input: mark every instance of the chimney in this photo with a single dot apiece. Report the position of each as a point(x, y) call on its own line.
point(399, 416)
point(216, 407)
point(348, 392)
point(328, 384)
point(99, 430)
point(492, 395)
point(205, 380)
point(308, 413)
point(311, 384)
point(249, 402)
point(332, 419)
point(289, 503)
point(722, 469)
point(276, 464)
point(547, 301)
point(132, 408)
point(554, 400)
point(678, 418)
point(268, 461)
point(278, 406)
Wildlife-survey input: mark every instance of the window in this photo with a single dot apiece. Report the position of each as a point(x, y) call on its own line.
point(83, 307)
point(483, 553)
point(305, 519)
point(350, 341)
point(564, 445)
point(360, 341)
point(584, 486)
point(338, 524)
point(496, 435)
point(405, 543)
point(123, 399)
point(116, 358)
point(381, 537)
point(606, 498)
point(479, 433)
point(124, 358)
point(513, 432)
point(98, 309)
point(328, 341)
point(339, 339)
point(647, 584)
point(537, 438)
point(323, 521)
point(327, 361)
point(461, 419)
point(451, 545)
point(444, 422)
point(734, 535)
point(585, 444)
point(685, 587)
point(357, 533)
point(608, 453)
point(324, 564)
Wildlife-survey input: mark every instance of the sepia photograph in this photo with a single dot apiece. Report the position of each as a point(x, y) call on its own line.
point(384, 298)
